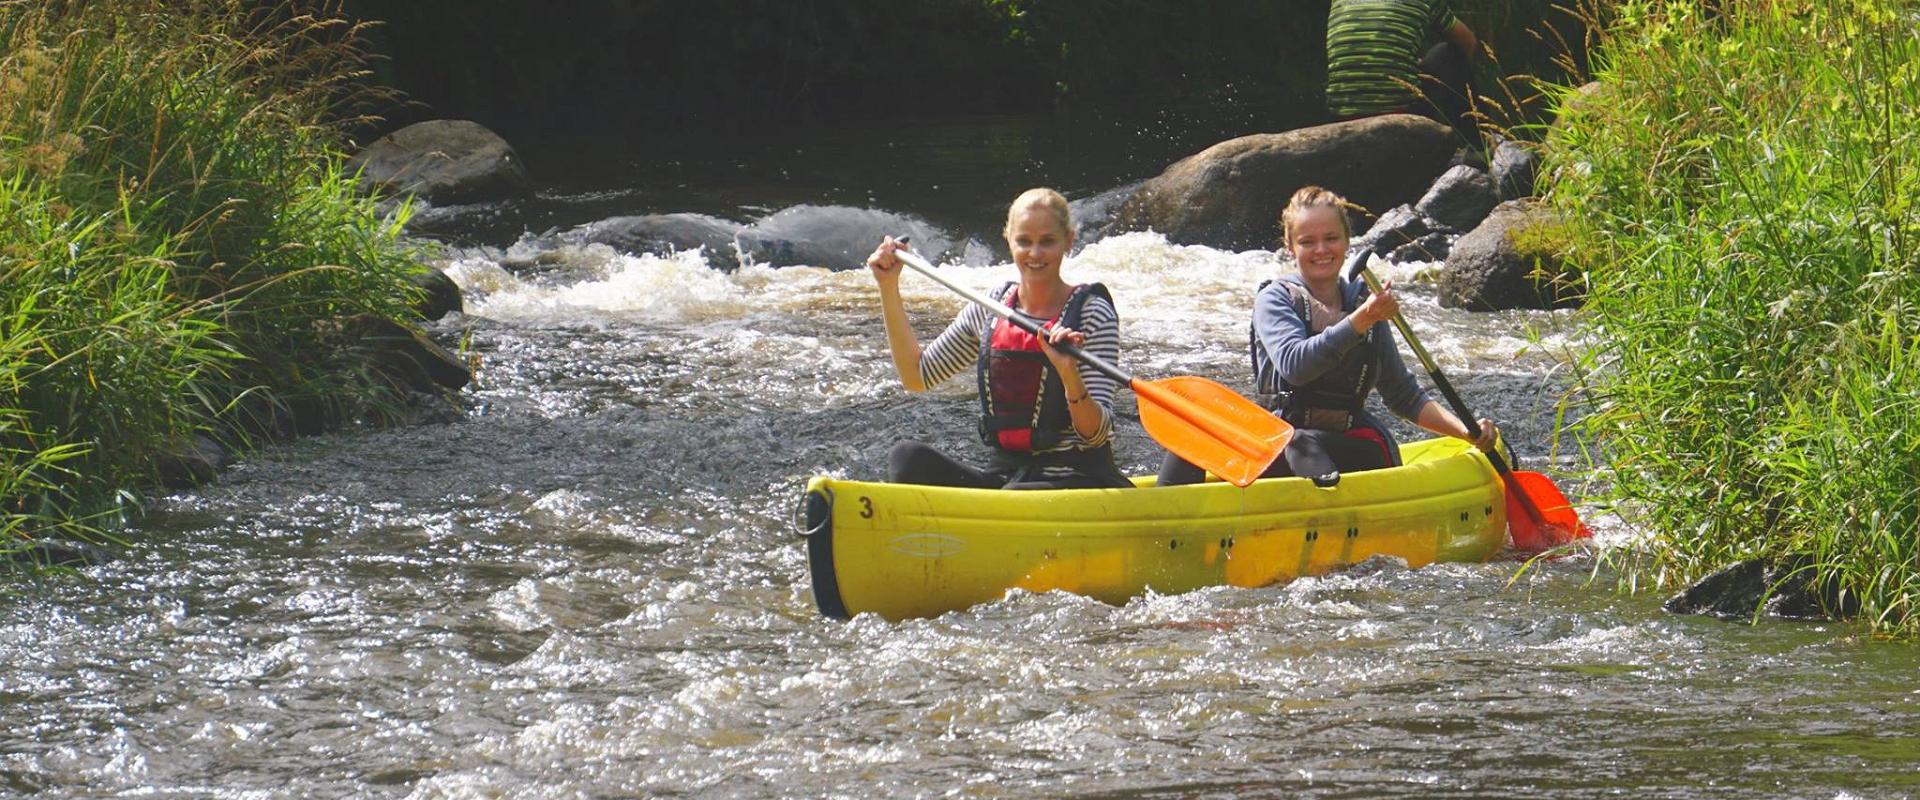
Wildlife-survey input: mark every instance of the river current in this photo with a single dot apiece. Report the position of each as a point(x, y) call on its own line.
point(590, 585)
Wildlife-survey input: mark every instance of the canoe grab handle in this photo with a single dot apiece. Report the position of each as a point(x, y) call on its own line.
point(813, 514)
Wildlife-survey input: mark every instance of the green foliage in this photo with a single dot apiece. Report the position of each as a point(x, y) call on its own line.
point(1743, 197)
point(175, 238)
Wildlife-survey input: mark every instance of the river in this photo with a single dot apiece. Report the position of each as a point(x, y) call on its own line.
point(590, 585)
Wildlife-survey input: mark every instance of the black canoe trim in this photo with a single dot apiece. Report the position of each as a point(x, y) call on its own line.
point(826, 584)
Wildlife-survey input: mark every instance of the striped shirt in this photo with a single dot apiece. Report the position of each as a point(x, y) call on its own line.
point(957, 350)
point(1374, 49)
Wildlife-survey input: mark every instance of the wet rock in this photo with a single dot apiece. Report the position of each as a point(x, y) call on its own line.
point(59, 553)
point(445, 160)
point(1231, 194)
point(1459, 200)
point(1510, 261)
point(1395, 228)
point(406, 356)
point(1787, 589)
point(664, 234)
point(1431, 247)
point(1515, 167)
point(834, 237)
point(441, 295)
point(192, 461)
point(1094, 216)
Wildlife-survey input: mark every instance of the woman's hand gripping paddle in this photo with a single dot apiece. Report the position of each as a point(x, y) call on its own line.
point(1203, 422)
point(1539, 516)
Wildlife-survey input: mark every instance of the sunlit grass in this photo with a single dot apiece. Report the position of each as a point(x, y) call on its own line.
point(177, 244)
point(1743, 194)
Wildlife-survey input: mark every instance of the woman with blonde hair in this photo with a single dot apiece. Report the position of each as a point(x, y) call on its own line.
point(1046, 417)
point(1321, 345)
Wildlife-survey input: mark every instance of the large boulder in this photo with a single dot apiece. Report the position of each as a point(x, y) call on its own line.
point(444, 160)
point(1231, 194)
point(1512, 260)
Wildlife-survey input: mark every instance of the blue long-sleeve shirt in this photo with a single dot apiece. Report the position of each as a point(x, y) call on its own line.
point(1300, 356)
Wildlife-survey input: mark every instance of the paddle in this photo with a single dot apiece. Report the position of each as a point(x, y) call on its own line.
point(1194, 418)
point(1538, 514)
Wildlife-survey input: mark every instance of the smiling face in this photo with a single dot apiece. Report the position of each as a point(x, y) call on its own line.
point(1318, 241)
point(1037, 238)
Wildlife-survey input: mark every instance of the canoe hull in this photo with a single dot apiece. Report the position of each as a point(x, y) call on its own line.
point(904, 551)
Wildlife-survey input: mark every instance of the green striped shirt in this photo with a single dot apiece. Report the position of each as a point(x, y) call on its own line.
point(1374, 49)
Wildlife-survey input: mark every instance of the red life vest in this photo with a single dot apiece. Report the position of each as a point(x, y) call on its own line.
point(1023, 407)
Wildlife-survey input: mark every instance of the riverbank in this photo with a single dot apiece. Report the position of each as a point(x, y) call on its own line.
point(1741, 186)
point(183, 267)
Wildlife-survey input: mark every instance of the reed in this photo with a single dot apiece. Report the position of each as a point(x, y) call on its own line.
point(177, 242)
point(1742, 191)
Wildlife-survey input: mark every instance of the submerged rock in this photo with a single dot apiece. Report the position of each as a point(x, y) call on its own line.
point(59, 553)
point(834, 237)
point(1786, 590)
point(1231, 194)
point(664, 234)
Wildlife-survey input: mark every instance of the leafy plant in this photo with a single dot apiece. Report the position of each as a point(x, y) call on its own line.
point(177, 242)
point(1742, 201)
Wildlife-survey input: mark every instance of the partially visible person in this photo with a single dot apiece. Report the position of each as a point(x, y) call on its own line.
point(1046, 418)
point(1320, 346)
point(1375, 62)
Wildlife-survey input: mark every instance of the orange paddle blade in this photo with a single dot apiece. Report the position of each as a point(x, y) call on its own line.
point(1211, 426)
point(1539, 515)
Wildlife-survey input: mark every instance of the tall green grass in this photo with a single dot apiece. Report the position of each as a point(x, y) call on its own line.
point(177, 243)
point(1743, 189)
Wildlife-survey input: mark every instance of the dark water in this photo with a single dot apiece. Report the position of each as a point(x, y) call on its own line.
point(590, 587)
point(957, 172)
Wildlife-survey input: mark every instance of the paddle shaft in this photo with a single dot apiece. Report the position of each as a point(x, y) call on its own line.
point(1019, 320)
point(1446, 390)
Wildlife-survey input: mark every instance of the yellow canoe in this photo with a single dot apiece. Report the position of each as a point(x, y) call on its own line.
point(903, 551)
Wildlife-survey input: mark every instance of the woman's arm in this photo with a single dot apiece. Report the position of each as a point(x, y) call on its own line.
point(885, 266)
point(1436, 418)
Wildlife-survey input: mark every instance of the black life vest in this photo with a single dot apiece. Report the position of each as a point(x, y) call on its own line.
point(1342, 388)
point(1023, 407)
